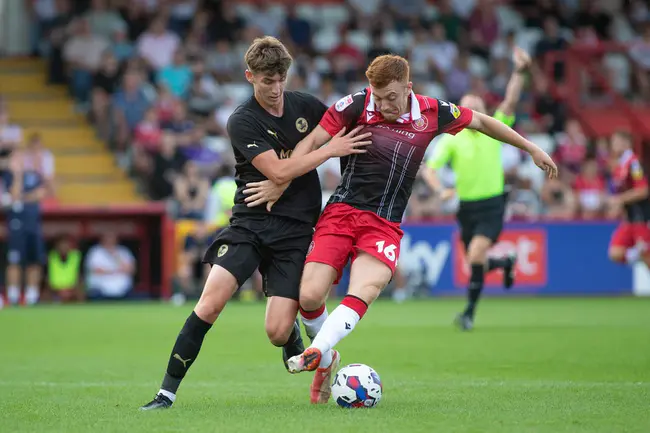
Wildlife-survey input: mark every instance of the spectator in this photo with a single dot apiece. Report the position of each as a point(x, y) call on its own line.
point(590, 187)
point(451, 21)
point(346, 56)
point(263, 18)
point(558, 199)
point(44, 13)
point(41, 160)
point(590, 14)
point(64, 272)
point(459, 78)
point(550, 42)
point(328, 93)
point(166, 166)
point(11, 137)
point(59, 32)
point(298, 29)
point(102, 20)
point(105, 83)
point(165, 105)
point(523, 201)
point(137, 19)
point(158, 45)
point(225, 23)
point(122, 48)
point(110, 268)
point(640, 54)
point(191, 192)
point(83, 53)
point(223, 61)
point(181, 14)
point(504, 46)
point(147, 140)
point(129, 107)
point(192, 272)
point(484, 25)
point(549, 112)
point(177, 77)
point(442, 52)
point(377, 46)
point(571, 148)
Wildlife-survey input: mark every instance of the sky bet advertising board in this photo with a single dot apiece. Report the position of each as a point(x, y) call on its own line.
point(553, 259)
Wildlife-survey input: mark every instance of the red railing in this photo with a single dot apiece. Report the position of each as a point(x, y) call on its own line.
point(584, 65)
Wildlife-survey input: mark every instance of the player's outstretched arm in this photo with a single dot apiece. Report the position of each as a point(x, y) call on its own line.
point(522, 62)
point(503, 133)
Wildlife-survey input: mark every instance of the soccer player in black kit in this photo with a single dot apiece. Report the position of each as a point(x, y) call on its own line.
point(264, 132)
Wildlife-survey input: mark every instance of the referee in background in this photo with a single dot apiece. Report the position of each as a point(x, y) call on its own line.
point(476, 161)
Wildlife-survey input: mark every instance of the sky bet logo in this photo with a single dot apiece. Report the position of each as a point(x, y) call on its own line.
point(531, 249)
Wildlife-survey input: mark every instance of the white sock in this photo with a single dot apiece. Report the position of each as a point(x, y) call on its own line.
point(632, 255)
point(31, 295)
point(169, 395)
point(13, 295)
point(337, 326)
point(313, 326)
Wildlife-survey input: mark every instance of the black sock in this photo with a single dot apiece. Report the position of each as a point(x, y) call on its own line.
point(294, 345)
point(500, 263)
point(185, 351)
point(475, 288)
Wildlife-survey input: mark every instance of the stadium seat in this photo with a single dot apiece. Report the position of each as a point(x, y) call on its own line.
point(435, 90)
point(620, 71)
point(326, 39)
point(334, 15)
point(360, 39)
point(509, 19)
point(238, 91)
point(478, 66)
point(527, 38)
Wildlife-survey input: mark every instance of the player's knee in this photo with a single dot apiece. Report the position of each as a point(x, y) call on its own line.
point(478, 249)
point(278, 333)
point(311, 298)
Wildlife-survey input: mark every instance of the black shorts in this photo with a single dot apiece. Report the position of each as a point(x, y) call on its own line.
point(276, 245)
point(481, 217)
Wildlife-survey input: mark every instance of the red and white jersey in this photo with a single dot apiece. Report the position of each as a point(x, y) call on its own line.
point(628, 175)
point(381, 180)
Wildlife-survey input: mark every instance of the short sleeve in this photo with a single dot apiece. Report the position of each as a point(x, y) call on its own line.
point(441, 153)
point(344, 114)
point(509, 120)
point(246, 137)
point(451, 118)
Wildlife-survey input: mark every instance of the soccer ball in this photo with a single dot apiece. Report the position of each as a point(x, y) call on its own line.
point(357, 385)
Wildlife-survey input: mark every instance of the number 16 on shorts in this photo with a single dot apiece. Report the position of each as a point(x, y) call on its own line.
point(388, 251)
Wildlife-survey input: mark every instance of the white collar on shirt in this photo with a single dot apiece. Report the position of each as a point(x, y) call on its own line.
point(625, 157)
point(415, 113)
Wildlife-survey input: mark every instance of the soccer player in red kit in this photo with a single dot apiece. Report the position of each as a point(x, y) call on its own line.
point(362, 219)
point(631, 239)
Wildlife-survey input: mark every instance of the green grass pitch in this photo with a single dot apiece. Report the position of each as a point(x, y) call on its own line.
point(531, 365)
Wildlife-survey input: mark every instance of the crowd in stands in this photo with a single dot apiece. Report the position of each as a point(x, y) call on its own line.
point(159, 79)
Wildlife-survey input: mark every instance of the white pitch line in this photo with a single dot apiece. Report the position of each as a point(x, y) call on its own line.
point(450, 383)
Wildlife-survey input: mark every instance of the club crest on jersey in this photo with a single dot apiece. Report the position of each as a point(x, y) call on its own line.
point(223, 249)
point(636, 171)
point(420, 124)
point(343, 103)
point(455, 111)
point(302, 125)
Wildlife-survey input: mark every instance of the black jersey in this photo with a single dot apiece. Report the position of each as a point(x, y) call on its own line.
point(253, 131)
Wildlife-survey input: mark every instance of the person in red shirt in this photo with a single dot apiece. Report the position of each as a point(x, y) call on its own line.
point(590, 188)
point(631, 238)
point(362, 218)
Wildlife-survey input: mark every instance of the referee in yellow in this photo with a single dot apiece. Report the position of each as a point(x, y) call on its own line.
point(476, 161)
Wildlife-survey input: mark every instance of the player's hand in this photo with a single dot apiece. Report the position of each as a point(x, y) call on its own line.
point(521, 59)
point(543, 161)
point(264, 192)
point(447, 194)
point(344, 145)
